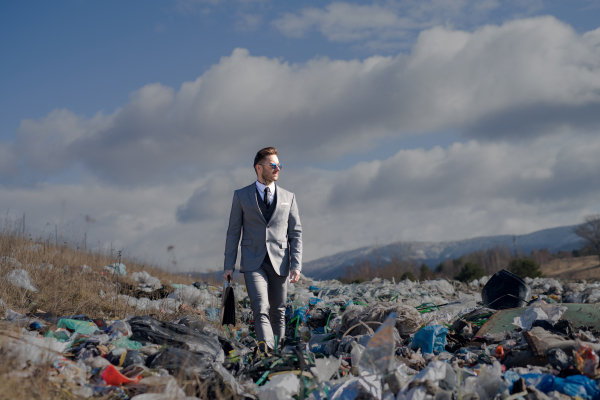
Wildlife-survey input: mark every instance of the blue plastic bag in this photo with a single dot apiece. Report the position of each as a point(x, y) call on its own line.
point(511, 377)
point(314, 300)
point(575, 385)
point(430, 339)
point(302, 312)
point(213, 314)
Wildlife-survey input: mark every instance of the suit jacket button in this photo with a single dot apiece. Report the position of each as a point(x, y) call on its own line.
point(268, 226)
point(267, 241)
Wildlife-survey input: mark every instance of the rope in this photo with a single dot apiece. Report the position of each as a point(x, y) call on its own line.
point(362, 323)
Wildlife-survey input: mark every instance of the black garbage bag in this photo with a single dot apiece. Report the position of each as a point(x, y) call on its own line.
point(228, 307)
point(149, 330)
point(125, 359)
point(505, 290)
point(197, 325)
point(320, 317)
point(87, 349)
point(562, 327)
point(181, 363)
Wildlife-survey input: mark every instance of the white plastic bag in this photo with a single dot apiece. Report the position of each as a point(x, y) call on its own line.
point(20, 278)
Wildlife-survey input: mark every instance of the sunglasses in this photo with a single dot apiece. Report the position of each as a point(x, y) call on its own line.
point(273, 165)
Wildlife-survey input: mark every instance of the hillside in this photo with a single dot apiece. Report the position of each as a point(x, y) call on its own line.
point(573, 268)
point(432, 253)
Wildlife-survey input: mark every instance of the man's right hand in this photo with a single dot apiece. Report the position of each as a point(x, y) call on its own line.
point(228, 273)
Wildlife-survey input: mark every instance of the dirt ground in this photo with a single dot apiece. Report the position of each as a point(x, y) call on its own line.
point(573, 268)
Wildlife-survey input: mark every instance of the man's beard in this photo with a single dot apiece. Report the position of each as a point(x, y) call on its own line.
point(267, 179)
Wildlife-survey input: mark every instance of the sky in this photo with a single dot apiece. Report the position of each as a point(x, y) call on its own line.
point(417, 120)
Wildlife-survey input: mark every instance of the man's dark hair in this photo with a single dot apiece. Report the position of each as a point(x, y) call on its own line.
point(264, 153)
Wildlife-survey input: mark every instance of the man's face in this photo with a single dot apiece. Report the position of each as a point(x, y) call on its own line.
point(267, 173)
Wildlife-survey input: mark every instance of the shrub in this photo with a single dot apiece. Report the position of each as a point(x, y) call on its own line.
point(426, 273)
point(408, 275)
point(525, 267)
point(469, 272)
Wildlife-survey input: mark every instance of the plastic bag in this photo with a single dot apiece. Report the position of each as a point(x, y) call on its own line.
point(575, 385)
point(378, 356)
point(355, 387)
point(181, 363)
point(120, 326)
point(124, 358)
point(18, 319)
point(281, 387)
point(149, 330)
point(83, 327)
point(430, 339)
point(20, 278)
point(145, 280)
point(586, 360)
point(117, 268)
point(301, 312)
point(325, 367)
point(539, 312)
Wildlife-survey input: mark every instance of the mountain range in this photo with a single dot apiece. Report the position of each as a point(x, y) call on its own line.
point(432, 253)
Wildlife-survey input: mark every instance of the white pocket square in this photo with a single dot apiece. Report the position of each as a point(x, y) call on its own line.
point(285, 204)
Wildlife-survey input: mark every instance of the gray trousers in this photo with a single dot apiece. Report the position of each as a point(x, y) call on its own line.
point(268, 293)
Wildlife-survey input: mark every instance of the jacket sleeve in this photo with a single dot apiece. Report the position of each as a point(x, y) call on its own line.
point(294, 233)
point(234, 232)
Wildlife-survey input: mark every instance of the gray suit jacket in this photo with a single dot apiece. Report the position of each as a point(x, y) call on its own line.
point(281, 237)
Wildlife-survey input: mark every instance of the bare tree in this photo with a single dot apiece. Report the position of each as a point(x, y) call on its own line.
point(589, 231)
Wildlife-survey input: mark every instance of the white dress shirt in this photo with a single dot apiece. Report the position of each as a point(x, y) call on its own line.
point(261, 190)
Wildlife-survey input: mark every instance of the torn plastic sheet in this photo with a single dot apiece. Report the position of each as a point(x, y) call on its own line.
point(325, 367)
point(378, 356)
point(351, 389)
point(20, 278)
point(281, 387)
point(539, 312)
point(145, 281)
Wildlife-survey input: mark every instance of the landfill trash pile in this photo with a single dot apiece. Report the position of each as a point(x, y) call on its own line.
point(497, 337)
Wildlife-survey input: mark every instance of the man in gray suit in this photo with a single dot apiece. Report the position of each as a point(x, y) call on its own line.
point(271, 245)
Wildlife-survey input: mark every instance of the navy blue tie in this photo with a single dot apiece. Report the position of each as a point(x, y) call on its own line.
point(267, 191)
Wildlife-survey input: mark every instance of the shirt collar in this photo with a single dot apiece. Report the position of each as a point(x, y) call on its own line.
point(262, 187)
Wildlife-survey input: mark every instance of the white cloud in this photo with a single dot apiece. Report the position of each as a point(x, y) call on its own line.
point(249, 22)
point(518, 80)
point(385, 24)
point(465, 190)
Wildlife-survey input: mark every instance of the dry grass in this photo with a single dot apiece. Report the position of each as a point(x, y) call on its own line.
point(19, 380)
point(64, 289)
point(573, 268)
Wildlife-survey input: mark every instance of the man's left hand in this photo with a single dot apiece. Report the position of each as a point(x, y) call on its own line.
point(294, 276)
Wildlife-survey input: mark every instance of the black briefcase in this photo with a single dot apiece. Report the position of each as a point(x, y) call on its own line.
point(228, 306)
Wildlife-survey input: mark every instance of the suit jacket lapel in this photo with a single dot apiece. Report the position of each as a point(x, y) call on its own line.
point(254, 200)
point(277, 203)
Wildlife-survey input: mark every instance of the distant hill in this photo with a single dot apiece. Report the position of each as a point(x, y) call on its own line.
point(432, 253)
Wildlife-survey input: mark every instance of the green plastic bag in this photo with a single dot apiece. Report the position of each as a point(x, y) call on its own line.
point(83, 327)
point(126, 343)
point(61, 336)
